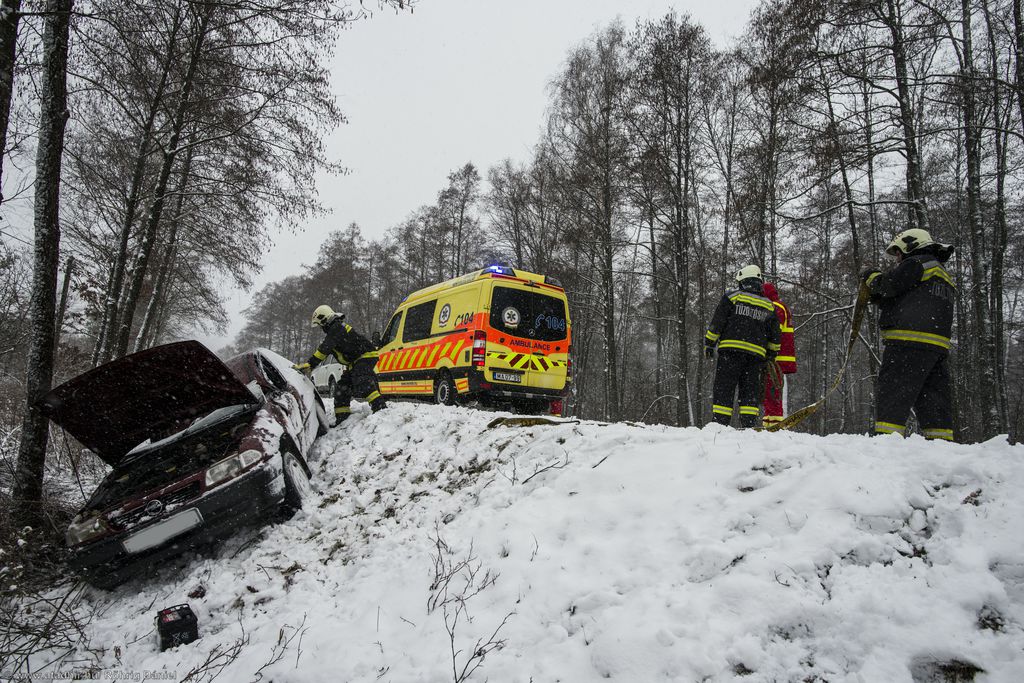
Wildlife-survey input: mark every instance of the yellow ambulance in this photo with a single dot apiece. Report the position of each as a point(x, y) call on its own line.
point(496, 335)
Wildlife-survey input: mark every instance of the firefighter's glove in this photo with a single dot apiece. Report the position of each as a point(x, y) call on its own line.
point(304, 368)
point(709, 352)
point(869, 274)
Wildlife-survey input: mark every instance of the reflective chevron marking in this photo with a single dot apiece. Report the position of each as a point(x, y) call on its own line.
point(521, 361)
point(428, 355)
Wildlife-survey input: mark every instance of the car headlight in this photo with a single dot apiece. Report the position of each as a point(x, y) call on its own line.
point(229, 467)
point(82, 530)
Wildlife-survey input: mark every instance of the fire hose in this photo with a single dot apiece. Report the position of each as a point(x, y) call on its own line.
point(858, 317)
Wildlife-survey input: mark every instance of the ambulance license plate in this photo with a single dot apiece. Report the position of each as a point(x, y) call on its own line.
point(508, 377)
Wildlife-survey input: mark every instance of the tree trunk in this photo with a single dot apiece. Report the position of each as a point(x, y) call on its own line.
point(1002, 228)
point(63, 306)
point(729, 199)
point(659, 345)
point(10, 13)
point(160, 286)
point(869, 153)
point(146, 336)
point(458, 244)
point(156, 210)
point(983, 331)
point(157, 311)
point(28, 478)
point(608, 315)
point(1018, 55)
point(918, 213)
point(111, 313)
point(851, 218)
point(772, 195)
point(684, 144)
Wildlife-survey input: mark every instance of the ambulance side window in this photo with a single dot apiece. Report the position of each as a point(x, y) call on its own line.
point(418, 320)
point(392, 331)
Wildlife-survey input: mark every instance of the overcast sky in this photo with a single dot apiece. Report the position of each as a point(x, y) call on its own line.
point(453, 82)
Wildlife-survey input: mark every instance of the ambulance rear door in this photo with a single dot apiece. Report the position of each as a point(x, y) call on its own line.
point(534, 323)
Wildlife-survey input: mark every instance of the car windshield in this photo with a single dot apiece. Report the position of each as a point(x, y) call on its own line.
point(529, 314)
point(199, 424)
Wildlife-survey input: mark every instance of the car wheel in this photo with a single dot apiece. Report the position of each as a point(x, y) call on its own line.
point(444, 389)
point(297, 489)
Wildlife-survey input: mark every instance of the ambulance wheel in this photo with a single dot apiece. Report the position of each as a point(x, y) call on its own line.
point(444, 389)
point(297, 490)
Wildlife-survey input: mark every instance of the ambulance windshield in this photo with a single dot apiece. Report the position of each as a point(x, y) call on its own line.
point(530, 315)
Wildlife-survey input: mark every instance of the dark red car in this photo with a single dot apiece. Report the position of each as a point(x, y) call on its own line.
point(198, 447)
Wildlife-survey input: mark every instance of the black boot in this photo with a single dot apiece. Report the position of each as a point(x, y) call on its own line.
point(378, 404)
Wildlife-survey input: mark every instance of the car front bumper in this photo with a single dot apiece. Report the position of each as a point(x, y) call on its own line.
point(255, 496)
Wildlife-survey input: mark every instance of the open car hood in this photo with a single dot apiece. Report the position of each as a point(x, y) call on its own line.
point(147, 395)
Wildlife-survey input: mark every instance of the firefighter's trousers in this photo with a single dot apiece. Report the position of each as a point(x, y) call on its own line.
point(737, 373)
point(774, 398)
point(914, 377)
point(360, 381)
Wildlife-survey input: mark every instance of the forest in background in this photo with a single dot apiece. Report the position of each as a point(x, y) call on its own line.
point(668, 163)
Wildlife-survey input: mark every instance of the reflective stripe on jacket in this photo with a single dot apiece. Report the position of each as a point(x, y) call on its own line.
point(744, 322)
point(787, 353)
point(343, 342)
point(916, 302)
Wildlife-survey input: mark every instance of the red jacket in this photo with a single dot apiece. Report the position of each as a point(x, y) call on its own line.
point(787, 354)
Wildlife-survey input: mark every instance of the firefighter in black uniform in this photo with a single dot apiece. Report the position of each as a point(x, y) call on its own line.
point(747, 334)
point(352, 350)
point(915, 299)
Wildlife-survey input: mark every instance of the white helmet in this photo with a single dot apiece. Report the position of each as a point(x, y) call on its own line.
point(911, 240)
point(322, 315)
point(748, 272)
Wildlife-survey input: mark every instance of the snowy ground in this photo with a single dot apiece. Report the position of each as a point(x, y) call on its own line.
point(582, 552)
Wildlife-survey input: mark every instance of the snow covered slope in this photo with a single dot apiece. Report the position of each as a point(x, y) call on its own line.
point(586, 551)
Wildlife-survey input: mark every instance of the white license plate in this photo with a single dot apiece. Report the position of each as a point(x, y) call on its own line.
point(508, 377)
point(162, 531)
